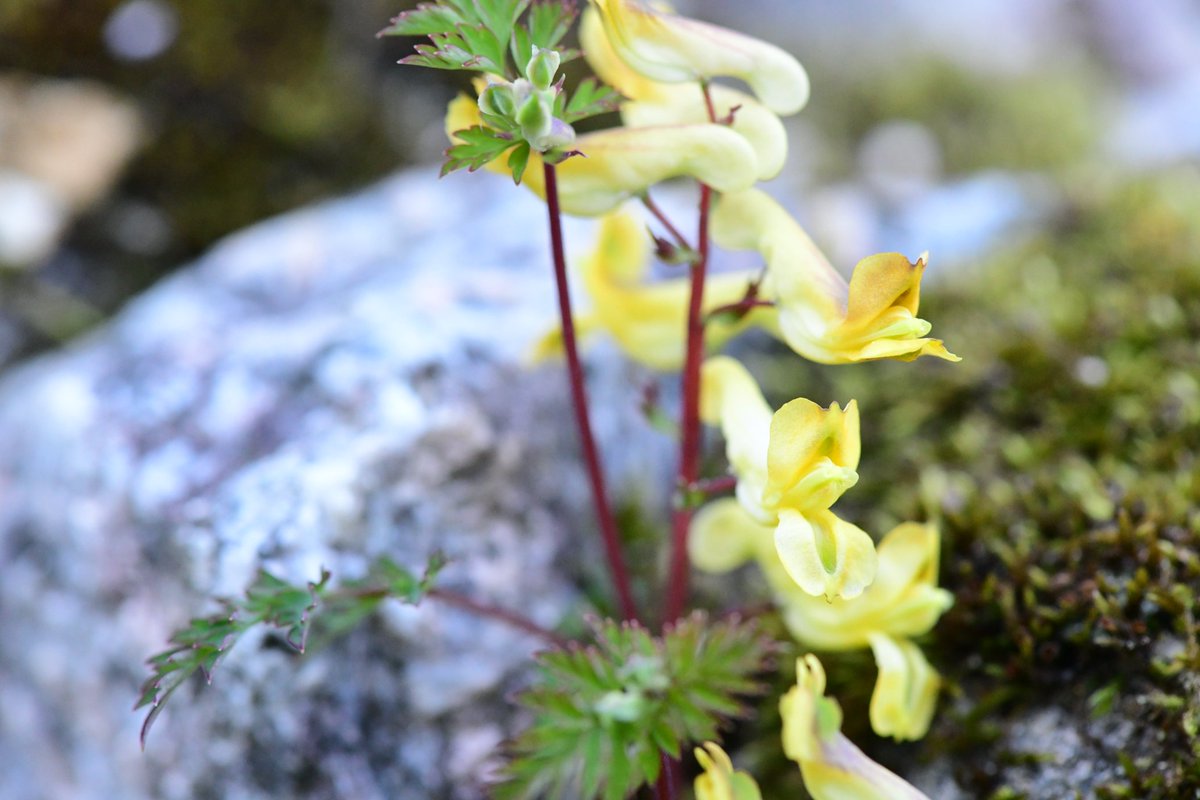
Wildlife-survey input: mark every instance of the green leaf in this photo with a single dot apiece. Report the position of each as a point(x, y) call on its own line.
point(584, 744)
point(477, 147)
point(548, 22)
point(590, 99)
point(423, 20)
point(199, 647)
point(518, 160)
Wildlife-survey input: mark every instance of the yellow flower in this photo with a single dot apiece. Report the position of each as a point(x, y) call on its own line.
point(832, 767)
point(648, 320)
point(620, 163)
point(653, 104)
point(903, 601)
point(820, 315)
point(719, 781)
point(673, 49)
point(791, 465)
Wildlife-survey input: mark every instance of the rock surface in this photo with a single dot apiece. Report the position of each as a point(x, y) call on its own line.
point(339, 383)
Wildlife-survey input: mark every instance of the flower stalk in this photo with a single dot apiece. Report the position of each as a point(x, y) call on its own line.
point(579, 400)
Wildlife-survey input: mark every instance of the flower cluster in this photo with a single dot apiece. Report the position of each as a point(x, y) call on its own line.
point(834, 588)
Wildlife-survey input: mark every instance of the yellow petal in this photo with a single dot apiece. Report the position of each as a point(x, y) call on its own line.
point(648, 320)
point(904, 599)
point(832, 767)
point(812, 456)
point(620, 163)
point(654, 104)
point(723, 537)
point(719, 781)
point(825, 555)
point(673, 49)
point(730, 397)
point(820, 315)
point(906, 690)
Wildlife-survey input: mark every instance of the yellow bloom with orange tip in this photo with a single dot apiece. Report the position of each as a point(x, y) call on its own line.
point(791, 465)
point(647, 320)
point(820, 315)
point(832, 767)
point(903, 601)
point(651, 103)
point(672, 49)
point(720, 781)
point(620, 163)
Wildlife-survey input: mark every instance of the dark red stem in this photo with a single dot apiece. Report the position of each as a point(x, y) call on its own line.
point(512, 618)
point(665, 221)
point(591, 458)
point(741, 306)
point(689, 426)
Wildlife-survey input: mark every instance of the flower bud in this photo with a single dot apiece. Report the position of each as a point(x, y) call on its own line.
point(542, 67)
point(498, 100)
point(621, 706)
point(534, 117)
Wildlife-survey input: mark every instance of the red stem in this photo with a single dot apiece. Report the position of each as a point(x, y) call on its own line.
point(742, 305)
point(591, 458)
point(512, 618)
point(653, 208)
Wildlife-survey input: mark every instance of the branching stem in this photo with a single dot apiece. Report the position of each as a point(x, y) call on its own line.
point(591, 457)
point(512, 618)
point(665, 221)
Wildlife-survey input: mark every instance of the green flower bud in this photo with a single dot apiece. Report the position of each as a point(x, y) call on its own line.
point(535, 118)
point(542, 67)
point(498, 100)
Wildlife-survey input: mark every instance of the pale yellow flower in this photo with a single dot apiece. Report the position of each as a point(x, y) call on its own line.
point(791, 465)
point(903, 601)
point(648, 320)
point(620, 163)
point(719, 781)
point(820, 315)
point(672, 49)
point(832, 767)
point(652, 103)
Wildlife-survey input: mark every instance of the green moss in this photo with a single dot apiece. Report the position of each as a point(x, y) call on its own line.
point(1061, 459)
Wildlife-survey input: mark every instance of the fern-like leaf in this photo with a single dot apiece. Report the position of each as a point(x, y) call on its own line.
point(602, 714)
point(200, 646)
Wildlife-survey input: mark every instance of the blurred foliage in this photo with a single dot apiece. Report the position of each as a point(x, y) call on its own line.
point(1035, 121)
point(253, 110)
point(1061, 459)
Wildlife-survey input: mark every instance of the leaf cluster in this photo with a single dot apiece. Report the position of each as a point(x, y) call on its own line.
point(603, 714)
point(481, 35)
point(200, 646)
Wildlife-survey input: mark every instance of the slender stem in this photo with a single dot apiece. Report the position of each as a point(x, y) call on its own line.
point(742, 305)
point(591, 458)
point(512, 618)
point(665, 221)
point(711, 486)
point(689, 426)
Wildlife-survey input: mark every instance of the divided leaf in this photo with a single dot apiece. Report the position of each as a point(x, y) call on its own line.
point(591, 97)
point(477, 147)
point(203, 643)
point(603, 713)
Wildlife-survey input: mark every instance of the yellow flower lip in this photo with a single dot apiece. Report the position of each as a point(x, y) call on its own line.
point(832, 767)
point(820, 315)
point(673, 49)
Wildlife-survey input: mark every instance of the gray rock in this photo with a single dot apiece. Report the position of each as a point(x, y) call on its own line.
point(343, 382)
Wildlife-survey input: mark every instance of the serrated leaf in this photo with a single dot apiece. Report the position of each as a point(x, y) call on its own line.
point(199, 646)
point(476, 147)
point(590, 98)
point(680, 686)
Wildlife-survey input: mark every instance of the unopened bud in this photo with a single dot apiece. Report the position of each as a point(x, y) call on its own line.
point(535, 118)
point(542, 67)
point(497, 100)
point(621, 706)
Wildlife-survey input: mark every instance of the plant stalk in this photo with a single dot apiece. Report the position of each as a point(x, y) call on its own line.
point(689, 426)
point(591, 457)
